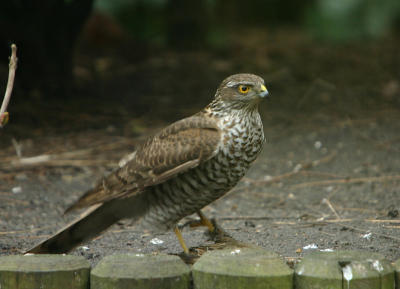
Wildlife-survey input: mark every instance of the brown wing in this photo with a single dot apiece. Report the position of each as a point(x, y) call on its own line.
point(177, 148)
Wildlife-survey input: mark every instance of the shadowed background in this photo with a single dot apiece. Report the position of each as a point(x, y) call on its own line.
point(125, 64)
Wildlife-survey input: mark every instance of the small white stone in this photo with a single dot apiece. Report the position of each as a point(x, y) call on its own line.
point(318, 145)
point(267, 178)
point(84, 248)
point(327, 250)
point(297, 168)
point(367, 236)
point(16, 190)
point(311, 246)
point(156, 241)
point(235, 252)
point(329, 189)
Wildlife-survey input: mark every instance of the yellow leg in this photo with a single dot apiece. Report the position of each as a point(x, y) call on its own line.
point(180, 239)
point(205, 222)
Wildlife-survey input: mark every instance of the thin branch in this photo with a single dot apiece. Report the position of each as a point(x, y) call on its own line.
point(372, 232)
point(48, 161)
point(299, 169)
point(329, 204)
point(348, 181)
point(68, 158)
point(10, 83)
point(262, 218)
point(395, 221)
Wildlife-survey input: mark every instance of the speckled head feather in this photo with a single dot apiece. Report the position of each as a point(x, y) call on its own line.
point(241, 78)
point(229, 96)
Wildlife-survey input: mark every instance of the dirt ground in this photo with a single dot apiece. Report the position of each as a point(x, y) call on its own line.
point(328, 177)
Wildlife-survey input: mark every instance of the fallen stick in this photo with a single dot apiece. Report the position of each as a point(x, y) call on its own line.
point(392, 227)
point(10, 83)
point(262, 218)
point(297, 170)
point(329, 204)
point(63, 158)
point(47, 161)
point(384, 221)
point(348, 181)
point(372, 232)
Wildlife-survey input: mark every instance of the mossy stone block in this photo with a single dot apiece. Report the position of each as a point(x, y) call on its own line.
point(239, 268)
point(344, 269)
point(44, 272)
point(140, 271)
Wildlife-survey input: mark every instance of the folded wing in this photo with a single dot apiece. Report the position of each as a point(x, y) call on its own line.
point(179, 147)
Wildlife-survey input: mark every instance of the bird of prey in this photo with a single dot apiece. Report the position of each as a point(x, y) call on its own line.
point(178, 171)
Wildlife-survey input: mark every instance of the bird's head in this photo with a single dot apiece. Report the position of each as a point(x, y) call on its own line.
point(241, 91)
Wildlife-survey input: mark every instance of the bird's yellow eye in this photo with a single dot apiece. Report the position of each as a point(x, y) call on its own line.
point(243, 89)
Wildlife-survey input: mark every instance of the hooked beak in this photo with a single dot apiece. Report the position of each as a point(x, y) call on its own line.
point(263, 91)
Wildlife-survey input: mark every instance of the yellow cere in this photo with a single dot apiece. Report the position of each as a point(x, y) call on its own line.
point(244, 89)
point(263, 88)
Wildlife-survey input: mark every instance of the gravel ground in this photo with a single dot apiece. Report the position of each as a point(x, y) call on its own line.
point(328, 177)
point(322, 183)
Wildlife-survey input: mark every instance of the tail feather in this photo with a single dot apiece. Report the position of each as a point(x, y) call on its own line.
point(94, 221)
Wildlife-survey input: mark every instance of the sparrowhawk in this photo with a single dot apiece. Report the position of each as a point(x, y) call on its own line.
point(178, 171)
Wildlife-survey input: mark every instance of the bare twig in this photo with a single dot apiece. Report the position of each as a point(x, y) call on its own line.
point(80, 157)
point(49, 161)
point(365, 220)
point(265, 218)
point(10, 84)
point(364, 210)
point(297, 170)
point(348, 181)
point(384, 221)
point(327, 202)
point(364, 231)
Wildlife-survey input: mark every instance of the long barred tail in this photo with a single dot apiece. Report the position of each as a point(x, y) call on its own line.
point(95, 221)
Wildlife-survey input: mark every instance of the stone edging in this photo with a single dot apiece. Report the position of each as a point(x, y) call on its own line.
point(233, 268)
